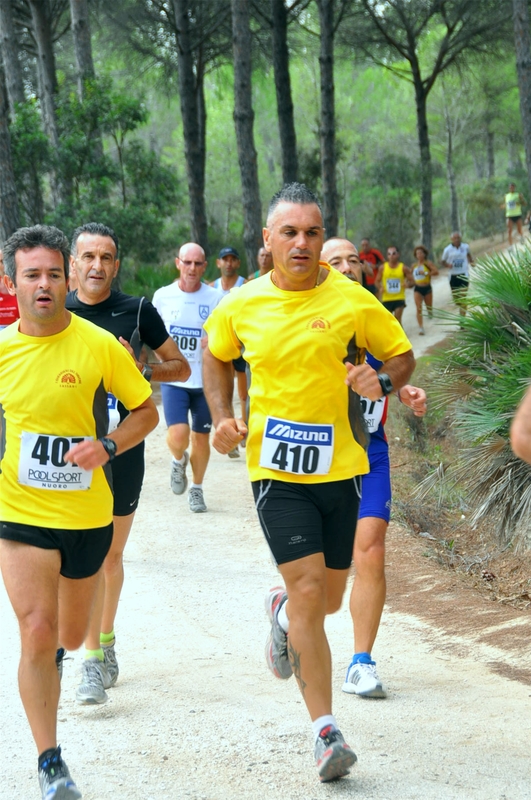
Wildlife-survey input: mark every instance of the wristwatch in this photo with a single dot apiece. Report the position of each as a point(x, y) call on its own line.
point(110, 446)
point(147, 372)
point(385, 383)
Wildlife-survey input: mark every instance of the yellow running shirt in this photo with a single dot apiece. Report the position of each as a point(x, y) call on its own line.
point(53, 393)
point(421, 274)
point(296, 344)
point(513, 207)
point(393, 283)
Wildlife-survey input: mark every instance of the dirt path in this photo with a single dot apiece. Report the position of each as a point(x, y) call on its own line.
point(197, 715)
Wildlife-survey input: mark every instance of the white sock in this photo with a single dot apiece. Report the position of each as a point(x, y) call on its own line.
point(196, 486)
point(321, 722)
point(282, 617)
point(178, 460)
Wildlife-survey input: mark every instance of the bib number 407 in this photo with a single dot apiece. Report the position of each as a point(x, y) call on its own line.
point(296, 458)
point(44, 454)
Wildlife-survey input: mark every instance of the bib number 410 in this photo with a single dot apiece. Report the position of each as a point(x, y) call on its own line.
point(296, 458)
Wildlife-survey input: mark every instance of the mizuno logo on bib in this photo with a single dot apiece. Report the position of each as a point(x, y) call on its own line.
point(188, 341)
point(297, 447)
point(42, 463)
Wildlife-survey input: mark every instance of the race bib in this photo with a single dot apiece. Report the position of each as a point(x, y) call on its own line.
point(114, 414)
point(188, 341)
point(511, 204)
point(458, 265)
point(372, 411)
point(297, 447)
point(42, 463)
point(394, 285)
point(420, 273)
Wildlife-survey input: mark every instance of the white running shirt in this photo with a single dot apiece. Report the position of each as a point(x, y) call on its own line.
point(457, 257)
point(184, 314)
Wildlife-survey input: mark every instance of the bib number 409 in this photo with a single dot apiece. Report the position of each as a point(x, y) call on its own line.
point(296, 458)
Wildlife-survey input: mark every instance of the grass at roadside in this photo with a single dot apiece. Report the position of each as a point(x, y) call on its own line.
point(441, 517)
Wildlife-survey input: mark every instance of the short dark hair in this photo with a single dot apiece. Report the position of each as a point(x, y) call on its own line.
point(30, 238)
point(293, 193)
point(95, 229)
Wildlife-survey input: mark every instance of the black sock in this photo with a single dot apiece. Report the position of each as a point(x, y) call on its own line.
point(47, 755)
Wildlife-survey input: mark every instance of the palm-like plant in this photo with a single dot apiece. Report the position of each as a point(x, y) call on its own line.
point(480, 379)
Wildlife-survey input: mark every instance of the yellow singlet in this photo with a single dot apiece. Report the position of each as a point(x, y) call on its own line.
point(421, 275)
point(513, 206)
point(393, 283)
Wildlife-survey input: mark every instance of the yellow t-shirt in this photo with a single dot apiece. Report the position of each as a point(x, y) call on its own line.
point(296, 343)
point(421, 274)
point(53, 390)
point(513, 207)
point(393, 283)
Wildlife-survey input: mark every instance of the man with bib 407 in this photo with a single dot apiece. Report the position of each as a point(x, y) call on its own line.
point(305, 329)
point(56, 500)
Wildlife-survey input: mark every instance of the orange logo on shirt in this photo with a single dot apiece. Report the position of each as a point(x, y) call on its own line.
point(318, 324)
point(68, 379)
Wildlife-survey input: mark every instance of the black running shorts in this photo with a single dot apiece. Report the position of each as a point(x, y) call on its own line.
point(392, 305)
point(458, 283)
point(127, 476)
point(424, 290)
point(82, 552)
point(301, 519)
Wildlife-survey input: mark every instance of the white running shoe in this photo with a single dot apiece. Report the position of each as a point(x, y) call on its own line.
point(421, 331)
point(362, 679)
point(178, 479)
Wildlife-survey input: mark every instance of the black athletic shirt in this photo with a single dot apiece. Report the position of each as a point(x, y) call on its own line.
point(118, 314)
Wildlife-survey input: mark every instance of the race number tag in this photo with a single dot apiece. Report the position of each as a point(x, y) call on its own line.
point(458, 265)
point(511, 205)
point(188, 340)
point(42, 463)
point(114, 414)
point(394, 285)
point(420, 273)
point(297, 447)
point(372, 411)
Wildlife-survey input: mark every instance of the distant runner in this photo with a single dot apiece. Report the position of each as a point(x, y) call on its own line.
point(265, 264)
point(391, 280)
point(185, 305)
point(371, 260)
point(422, 272)
point(306, 435)
point(456, 256)
point(8, 302)
point(512, 204)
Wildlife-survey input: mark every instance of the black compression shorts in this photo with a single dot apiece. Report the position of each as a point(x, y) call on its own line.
point(392, 305)
point(240, 364)
point(82, 552)
point(424, 290)
point(458, 283)
point(301, 519)
point(127, 476)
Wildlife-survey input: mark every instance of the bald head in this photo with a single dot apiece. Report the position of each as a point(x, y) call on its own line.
point(192, 252)
point(343, 256)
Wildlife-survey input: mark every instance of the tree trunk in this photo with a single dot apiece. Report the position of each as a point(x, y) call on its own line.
point(328, 124)
point(243, 121)
point(425, 163)
point(286, 123)
point(491, 163)
point(46, 66)
point(8, 46)
point(194, 148)
point(82, 43)
point(522, 42)
point(454, 208)
point(9, 218)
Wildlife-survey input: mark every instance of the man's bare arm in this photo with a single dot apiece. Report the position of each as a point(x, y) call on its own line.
point(218, 386)
point(363, 379)
point(171, 366)
point(133, 430)
point(521, 429)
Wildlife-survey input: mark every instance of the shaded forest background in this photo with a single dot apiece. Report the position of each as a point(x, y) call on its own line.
point(115, 134)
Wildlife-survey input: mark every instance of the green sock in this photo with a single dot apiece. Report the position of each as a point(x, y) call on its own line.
point(95, 654)
point(107, 638)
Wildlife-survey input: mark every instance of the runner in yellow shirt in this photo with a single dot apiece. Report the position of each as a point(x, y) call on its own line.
point(391, 280)
point(421, 273)
point(512, 203)
point(305, 329)
point(56, 500)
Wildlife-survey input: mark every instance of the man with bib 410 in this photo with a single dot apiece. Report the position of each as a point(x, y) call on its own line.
point(305, 329)
point(56, 501)
point(391, 280)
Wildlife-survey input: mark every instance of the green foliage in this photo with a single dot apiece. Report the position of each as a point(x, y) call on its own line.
point(481, 380)
point(32, 157)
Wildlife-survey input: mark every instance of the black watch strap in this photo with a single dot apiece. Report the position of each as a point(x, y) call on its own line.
point(385, 383)
point(110, 446)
